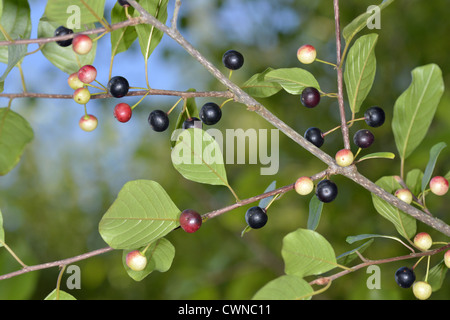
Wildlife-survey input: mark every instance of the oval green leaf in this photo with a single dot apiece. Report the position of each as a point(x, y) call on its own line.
point(434, 154)
point(405, 224)
point(198, 157)
point(74, 14)
point(315, 212)
point(59, 295)
point(121, 39)
point(415, 108)
point(293, 80)
point(377, 155)
point(159, 255)
point(286, 287)
point(149, 36)
point(16, 23)
point(306, 252)
point(360, 69)
point(15, 134)
point(142, 213)
point(257, 86)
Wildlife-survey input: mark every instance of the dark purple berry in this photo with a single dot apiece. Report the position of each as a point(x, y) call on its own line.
point(326, 190)
point(233, 60)
point(363, 138)
point(315, 136)
point(374, 116)
point(118, 86)
point(124, 3)
point(192, 123)
point(405, 277)
point(158, 120)
point(310, 97)
point(256, 217)
point(62, 31)
point(210, 113)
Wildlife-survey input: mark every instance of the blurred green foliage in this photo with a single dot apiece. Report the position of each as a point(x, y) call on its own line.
point(52, 202)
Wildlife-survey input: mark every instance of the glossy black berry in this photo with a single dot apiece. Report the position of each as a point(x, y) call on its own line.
point(363, 138)
point(233, 60)
point(118, 86)
point(210, 113)
point(62, 31)
point(326, 190)
point(405, 277)
point(374, 116)
point(256, 217)
point(158, 120)
point(124, 3)
point(310, 97)
point(315, 136)
point(192, 123)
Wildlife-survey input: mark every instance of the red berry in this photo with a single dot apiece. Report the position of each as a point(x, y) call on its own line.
point(122, 112)
point(87, 74)
point(190, 220)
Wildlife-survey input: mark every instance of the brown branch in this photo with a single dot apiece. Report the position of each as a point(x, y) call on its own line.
point(58, 263)
point(325, 280)
point(151, 92)
point(119, 25)
point(340, 83)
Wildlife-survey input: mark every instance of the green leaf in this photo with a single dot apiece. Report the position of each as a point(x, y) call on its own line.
point(15, 134)
point(197, 157)
point(61, 295)
point(159, 255)
point(315, 211)
point(377, 155)
point(265, 202)
point(360, 22)
point(360, 69)
point(16, 22)
point(352, 239)
point(257, 86)
point(414, 180)
point(63, 58)
point(121, 39)
point(15, 54)
point(437, 275)
point(349, 256)
point(404, 223)
point(434, 153)
point(293, 80)
point(286, 287)
point(142, 213)
point(149, 36)
point(74, 14)
point(415, 108)
point(306, 252)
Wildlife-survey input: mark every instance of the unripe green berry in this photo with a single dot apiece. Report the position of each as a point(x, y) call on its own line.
point(304, 185)
point(404, 195)
point(136, 261)
point(422, 290)
point(423, 241)
point(344, 157)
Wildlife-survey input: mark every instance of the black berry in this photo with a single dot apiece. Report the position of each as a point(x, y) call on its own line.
point(62, 31)
point(310, 97)
point(363, 138)
point(256, 217)
point(124, 3)
point(210, 113)
point(118, 86)
point(233, 60)
point(158, 120)
point(192, 123)
point(315, 136)
point(405, 277)
point(374, 116)
point(326, 190)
